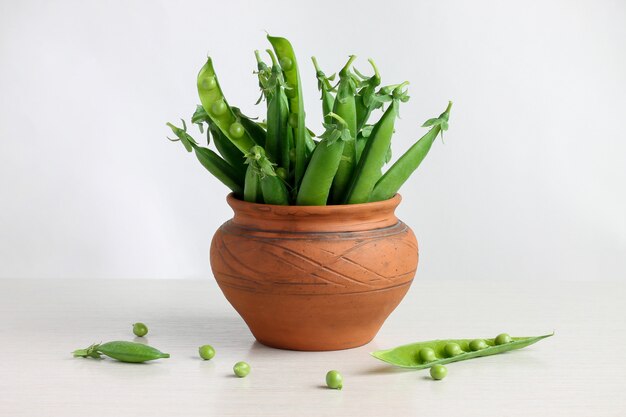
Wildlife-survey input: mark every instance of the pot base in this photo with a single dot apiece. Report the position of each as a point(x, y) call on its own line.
point(316, 322)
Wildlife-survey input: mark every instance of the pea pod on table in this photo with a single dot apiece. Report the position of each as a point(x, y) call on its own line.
point(424, 355)
point(122, 351)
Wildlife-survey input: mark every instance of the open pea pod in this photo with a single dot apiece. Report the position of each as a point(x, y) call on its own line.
point(216, 107)
point(409, 356)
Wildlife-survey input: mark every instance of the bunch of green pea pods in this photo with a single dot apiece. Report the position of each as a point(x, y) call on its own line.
point(281, 161)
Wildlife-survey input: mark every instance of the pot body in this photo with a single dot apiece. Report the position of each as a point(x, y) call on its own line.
point(314, 278)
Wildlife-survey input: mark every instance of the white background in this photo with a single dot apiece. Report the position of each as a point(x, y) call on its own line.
point(530, 183)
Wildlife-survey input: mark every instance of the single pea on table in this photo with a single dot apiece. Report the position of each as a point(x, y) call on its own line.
point(241, 369)
point(438, 372)
point(206, 352)
point(334, 380)
point(140, 329)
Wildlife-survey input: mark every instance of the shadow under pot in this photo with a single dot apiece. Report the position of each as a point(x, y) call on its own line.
point(314, 277)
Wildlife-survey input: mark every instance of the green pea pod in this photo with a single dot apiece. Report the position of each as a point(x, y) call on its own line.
point(323, 84)
point(287, 59)
point(345, 107)
point(273, 188)
point(323, 165)
point(227, 150)
point(182, 135)
point(263, 73)
point(217, 108)
point(277, 144)
point(131, 352)
point(389, 184)
point(252, 187)
point(365, 99)
point(220, 169)
point(254, 129)
point(368, 170)
point(408, 356)
point(123, 351)
point(231, 177)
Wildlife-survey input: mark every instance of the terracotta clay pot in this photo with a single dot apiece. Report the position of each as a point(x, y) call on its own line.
point(314, 277)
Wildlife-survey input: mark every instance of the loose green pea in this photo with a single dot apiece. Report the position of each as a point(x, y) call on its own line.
point(477, 344)
point(285, 63)
point(427, 354)
point(502, 339)
point(140, 329)
point(237, 130)
point(206, 352)
point(219, 108)
point(334, 380)
point(209, 83)
point(438, 372)
point(241, 369)
point(452, 349)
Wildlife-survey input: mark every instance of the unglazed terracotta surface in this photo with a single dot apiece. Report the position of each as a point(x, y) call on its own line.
point(314, 277)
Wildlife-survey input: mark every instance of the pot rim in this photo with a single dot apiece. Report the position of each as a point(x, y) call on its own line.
point(231, 198)
point(331, 218)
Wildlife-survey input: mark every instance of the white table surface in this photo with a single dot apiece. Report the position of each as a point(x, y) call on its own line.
point(579, 372)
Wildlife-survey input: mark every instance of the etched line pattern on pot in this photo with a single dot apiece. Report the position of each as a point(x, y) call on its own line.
point(346, 263)
point(248, 231)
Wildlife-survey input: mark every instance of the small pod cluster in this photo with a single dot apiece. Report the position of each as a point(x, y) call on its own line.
point(279, 162)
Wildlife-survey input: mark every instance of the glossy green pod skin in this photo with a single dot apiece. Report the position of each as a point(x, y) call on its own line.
point(407, 356)
point(345, 107)
point(232, 177)
point(217, 108)
point(122, 351)
point(252, 187)
point(220, 169)
point(277, 143)
point(256, 132)
point(372, 158)
point(287, 58)
point(131, 352)
point(227, 150)
point(389, 184)
point(274, 190)
point(319, 175)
